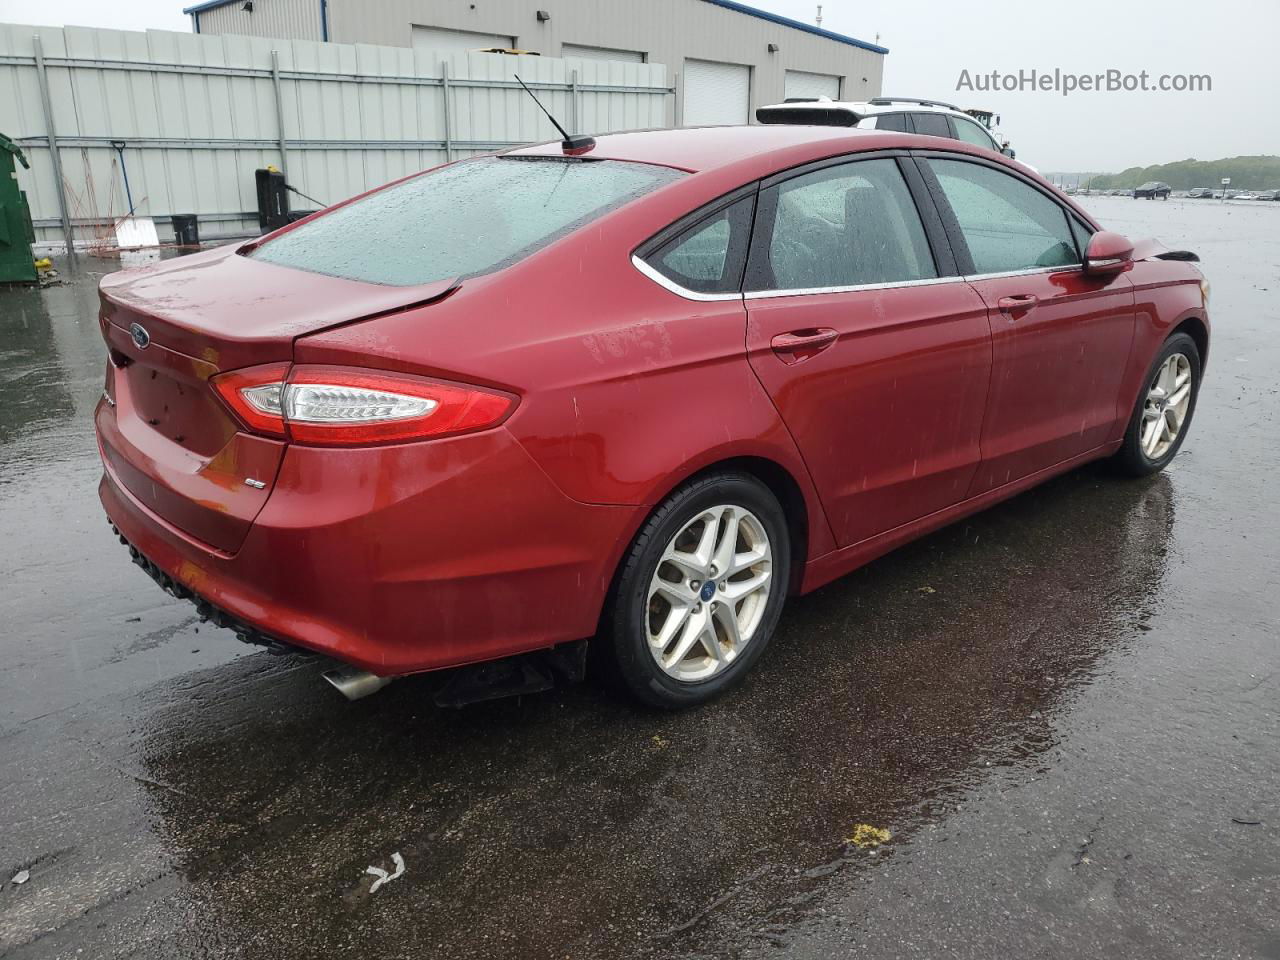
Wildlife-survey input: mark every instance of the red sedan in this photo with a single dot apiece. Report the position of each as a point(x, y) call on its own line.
point(639, 392)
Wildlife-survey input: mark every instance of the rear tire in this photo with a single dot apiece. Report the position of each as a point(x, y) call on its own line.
point(699, 593)
point(1157, 427)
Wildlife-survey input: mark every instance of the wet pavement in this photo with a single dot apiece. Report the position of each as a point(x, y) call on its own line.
point(1064, 710)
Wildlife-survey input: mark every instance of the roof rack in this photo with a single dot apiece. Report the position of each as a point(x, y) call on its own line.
point(889, 101)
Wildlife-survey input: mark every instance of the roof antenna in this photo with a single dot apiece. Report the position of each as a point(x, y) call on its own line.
point(569, 142)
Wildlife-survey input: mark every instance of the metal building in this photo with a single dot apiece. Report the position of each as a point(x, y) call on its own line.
point(726, 58)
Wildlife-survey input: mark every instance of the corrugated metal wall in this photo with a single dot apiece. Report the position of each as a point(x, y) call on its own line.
point(197, 115)
point(284, 19)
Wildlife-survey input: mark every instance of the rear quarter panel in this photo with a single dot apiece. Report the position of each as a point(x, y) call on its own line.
point(626, 389)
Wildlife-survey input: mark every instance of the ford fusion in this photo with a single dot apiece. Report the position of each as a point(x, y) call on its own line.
point(639, 392)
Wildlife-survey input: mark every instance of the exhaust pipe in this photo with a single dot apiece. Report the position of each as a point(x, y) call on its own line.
point(354, 683)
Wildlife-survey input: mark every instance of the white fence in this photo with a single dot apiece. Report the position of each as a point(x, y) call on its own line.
point(184, 119)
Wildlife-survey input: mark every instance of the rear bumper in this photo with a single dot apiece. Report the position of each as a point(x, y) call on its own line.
point(399, 559)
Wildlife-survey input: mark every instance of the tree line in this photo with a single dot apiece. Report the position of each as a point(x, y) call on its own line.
point(1246, 173)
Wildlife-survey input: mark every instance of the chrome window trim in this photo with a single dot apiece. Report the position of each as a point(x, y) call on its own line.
point(1023, 273)
point(687, 294)
point(892, 284)
point(668, 283)
point(855, 288)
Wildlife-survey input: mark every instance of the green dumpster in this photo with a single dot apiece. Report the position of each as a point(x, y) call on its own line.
point(16, 232)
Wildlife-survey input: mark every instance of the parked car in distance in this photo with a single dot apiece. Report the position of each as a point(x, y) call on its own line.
point(1268, 195)
point(639, 391)
point(1153, 190)
point(931, 118)
point(1200, 193)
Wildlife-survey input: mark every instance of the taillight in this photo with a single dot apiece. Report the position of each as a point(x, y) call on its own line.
point(242, 390)
point(346, 406)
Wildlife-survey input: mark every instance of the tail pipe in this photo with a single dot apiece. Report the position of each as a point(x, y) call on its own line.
point(353, 683)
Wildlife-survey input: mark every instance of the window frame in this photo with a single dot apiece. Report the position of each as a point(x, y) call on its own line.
point(690, 222)
point(960, 247)
point(944, 261)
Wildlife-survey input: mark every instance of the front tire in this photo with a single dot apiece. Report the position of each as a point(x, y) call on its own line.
point(1162, 415)
point(699, 593)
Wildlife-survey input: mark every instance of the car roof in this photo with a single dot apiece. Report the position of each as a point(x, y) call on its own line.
point(727, 157)
point(698, 149)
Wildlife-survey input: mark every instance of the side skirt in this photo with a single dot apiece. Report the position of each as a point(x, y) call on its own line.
point(831, 566)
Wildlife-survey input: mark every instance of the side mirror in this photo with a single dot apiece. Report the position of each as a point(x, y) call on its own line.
point(1108, 253)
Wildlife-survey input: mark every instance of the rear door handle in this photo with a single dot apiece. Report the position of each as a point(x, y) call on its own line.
point(1019, 304)
point(802, 344)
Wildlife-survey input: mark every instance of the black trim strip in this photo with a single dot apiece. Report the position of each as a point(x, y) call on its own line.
point(947, 218)
point(944, 259)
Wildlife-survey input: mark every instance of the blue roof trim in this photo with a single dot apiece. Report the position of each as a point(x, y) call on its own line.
point(787, 22)
point(207, 5)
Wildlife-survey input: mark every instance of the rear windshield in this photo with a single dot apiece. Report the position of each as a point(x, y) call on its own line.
point(469, 218)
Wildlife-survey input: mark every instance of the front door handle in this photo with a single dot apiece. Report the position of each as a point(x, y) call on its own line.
point(802, 344)
point(1017, 305)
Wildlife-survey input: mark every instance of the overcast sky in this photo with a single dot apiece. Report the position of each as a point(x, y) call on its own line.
point(1236, 42)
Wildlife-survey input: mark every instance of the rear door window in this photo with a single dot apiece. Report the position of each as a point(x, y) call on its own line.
point(461, 220)
point(1007, 224)
point(899, 122)
point(847, 225)
point(932, 124)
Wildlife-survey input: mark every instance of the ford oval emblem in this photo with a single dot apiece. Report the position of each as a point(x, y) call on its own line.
point(141, 339)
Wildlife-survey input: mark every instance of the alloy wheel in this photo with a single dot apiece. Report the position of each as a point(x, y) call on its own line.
point(1165, 412)
point(708, 593)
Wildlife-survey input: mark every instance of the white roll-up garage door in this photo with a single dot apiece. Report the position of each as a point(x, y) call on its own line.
point(457, 41)
point(797, 83)
point(600, 53)
point(716, 93)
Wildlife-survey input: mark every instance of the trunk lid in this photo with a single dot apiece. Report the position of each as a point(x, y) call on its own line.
point(165, 435)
